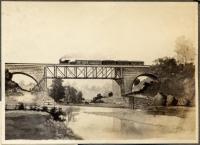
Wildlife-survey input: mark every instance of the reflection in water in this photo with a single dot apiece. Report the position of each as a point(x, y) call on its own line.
point(129, 128)
point(91, 126)
point(86, 123)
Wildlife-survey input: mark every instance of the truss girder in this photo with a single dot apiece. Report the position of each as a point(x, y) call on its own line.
point(82, 72)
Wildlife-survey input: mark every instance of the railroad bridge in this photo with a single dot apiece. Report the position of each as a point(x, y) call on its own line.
point(124, 75)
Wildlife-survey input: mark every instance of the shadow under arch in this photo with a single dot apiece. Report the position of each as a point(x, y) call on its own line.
point(22, 73)
point(154, 77)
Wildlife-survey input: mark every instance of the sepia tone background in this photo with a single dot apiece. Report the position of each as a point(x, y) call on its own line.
point(44, 32)
point(86, 31)
point(41, 32)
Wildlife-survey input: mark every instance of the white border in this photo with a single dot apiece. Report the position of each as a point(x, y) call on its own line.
point(196, 74)
point(101, 141)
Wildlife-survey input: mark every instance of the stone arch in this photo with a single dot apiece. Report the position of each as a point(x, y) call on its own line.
point(148, 75)
point(22, 73)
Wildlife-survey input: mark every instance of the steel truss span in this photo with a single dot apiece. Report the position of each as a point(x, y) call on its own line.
point(82, 72)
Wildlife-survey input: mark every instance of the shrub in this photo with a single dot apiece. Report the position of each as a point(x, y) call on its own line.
point(33, 107)
point(45, 108)
point(21, 106)
point(57, 114)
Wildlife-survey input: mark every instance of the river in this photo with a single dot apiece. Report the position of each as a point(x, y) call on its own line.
point(99, 123)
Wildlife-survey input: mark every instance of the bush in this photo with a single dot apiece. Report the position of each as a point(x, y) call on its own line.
point(45, 108)
point(33, 107)
point(57, 114)
point(21, 106)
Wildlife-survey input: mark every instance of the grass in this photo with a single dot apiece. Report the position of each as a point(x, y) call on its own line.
point(35, 126)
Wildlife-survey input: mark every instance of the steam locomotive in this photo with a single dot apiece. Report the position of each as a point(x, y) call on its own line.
point(100, 62)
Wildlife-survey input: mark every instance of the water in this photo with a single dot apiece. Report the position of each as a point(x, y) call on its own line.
point(89, 125)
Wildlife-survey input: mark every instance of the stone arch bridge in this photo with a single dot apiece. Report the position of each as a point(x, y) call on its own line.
point(124, 75)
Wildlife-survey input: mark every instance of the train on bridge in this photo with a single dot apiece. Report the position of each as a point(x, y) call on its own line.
point(100, 62)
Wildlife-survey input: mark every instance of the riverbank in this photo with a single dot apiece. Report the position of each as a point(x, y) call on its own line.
point(35, 125)
point(96, 105)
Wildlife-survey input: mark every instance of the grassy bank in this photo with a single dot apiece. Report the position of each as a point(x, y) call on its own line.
point(36, 126)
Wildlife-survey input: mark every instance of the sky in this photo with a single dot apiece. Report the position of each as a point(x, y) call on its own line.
point(42, 32)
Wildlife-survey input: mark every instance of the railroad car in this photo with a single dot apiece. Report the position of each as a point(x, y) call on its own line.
point(122, 62)
point(72, 62)
point(137, 63)
point(81, 62)
point(108, 62)
point(94, 62)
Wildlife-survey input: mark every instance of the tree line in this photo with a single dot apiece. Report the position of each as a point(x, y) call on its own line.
point(64, 94)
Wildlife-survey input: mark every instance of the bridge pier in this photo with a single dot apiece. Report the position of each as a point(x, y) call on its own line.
point(132, 102)
point(128, 76)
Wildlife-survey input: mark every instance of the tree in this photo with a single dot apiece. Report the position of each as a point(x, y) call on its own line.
point(166, 66)
point(176, 79)
point(110, 94)
point(185, 50)
point(57, 90)
point(72, 95)
point(79, 98)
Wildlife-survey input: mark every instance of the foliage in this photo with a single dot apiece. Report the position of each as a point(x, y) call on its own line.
point(66, 93)
point(45, 108)
point(185, 50)
point(21, 106)
point(58, 114)
point(175, 78)
point(72, 95)
point(97, 98)
point(57, 90)
point(110, 94)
